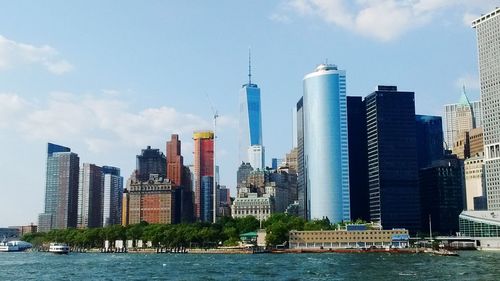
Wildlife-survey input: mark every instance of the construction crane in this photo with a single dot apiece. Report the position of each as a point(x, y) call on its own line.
point(214, 189)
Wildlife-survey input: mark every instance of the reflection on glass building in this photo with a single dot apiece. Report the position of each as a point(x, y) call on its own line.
point(325, 143)
point(250, 127)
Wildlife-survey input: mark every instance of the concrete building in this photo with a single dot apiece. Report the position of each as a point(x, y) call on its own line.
point(357, 237)
point(392, 159)
point(475, 184)
point(152, 201)
point(459, 118)
point(112, 196)
point(125, 207)
point(469, 144)
point(488, 42)
point(291, 160)
point(203, 165)
point(252, 205)
point(326, 144)
point(90, 196)
point(61, 189)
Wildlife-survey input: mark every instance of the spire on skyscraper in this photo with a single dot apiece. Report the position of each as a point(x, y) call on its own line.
point(249, 66)
point(464, 100)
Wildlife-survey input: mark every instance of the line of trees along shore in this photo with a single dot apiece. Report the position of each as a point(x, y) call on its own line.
point(226, 231)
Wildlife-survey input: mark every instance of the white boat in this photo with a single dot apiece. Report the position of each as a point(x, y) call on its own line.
point(14, 246)
point(59, 248)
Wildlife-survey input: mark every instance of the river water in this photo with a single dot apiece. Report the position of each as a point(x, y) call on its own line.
point(327, 266)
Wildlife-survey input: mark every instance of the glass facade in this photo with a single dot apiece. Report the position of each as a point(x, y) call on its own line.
point(429, 139)
point(113, 192)
point(479, 224)
point(206, 204)
point(326, 144)
point(250, 127)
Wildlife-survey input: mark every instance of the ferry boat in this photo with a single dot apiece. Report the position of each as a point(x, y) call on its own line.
point(59, 248)
point(14, 246)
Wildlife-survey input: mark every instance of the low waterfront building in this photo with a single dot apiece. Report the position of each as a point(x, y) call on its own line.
point(482, 226)
point(354, 236)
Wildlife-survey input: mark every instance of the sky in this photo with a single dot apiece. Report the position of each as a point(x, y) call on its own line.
point(108, 78)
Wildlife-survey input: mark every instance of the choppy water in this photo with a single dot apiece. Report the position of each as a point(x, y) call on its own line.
point(330, 266)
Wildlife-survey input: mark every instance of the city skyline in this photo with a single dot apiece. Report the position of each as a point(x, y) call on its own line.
point(100, 99)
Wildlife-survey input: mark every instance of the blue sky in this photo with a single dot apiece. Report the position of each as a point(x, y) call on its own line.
point(107, 78)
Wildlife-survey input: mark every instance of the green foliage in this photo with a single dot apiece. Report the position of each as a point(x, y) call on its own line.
point(278, 225)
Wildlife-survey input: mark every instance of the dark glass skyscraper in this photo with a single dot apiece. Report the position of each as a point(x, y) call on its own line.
point(358, 164)
point(61, 189)
point(392, 159)
point(429, 139)
point(442, 189)
point(151, 161)
point(206, 196)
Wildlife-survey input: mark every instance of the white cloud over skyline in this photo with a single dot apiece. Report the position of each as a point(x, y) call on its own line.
point(383, 20)
point(13, 54)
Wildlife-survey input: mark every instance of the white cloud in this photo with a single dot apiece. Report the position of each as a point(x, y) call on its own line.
point(469, 81)
point(99, 121)
point(383, 20)
point(13, 53)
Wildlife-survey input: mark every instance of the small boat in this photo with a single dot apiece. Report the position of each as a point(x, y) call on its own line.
point(59, 248)
point(443, 252)
point(14, 246)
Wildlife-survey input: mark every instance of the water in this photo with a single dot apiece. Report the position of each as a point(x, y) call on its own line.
point(328, 266)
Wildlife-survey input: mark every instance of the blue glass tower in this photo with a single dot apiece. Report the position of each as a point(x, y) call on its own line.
point(326, 152)
point(250, 131)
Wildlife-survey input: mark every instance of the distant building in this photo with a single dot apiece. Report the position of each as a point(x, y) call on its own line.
point(429, 139)
point(291, 160)
point(151, 201)
point(475, 184)
point(112, 196)
point(358, 159)
point(11, 233)
point(326, 144)
point(303, 196)
point(61, 189)
point(256, 156)
point(275, 162)
point(469, 144)
point(460, 118)
point(174, 160)
point(90, 196)
point(250, 123)
point(203, 165)
point(224, 201)
point(24, 229)
point(252, 205)
point(392, 159)
point(342, 239)
point(206, 198)
point(125, 208)
point(150, 162)
point(488, 41)
point(243, 171)
point(442, 189)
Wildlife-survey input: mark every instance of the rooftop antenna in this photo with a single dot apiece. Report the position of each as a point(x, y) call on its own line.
point(215, 187)
point(249, 66)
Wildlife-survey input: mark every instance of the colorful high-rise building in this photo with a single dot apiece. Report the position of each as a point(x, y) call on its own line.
point(250, 127)
point(112, 196)
point(488, 41)
point(392, 159)
point(326, 144)
point(61, 189)
point(203, 166)
point(90, 196)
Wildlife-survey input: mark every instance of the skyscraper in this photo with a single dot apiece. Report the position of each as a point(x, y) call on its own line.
point(90, 196)
point(256, 156)
point(488, 41)
point(61, 189)
point(151, 161)
point(112, 196)
point(429, 139)
point(174, 160)
point(392, 159)
point(250, 127)
point(326, 144)
point(460, 118)
point(358, 163)
point(203, 166)
point(303, 197)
